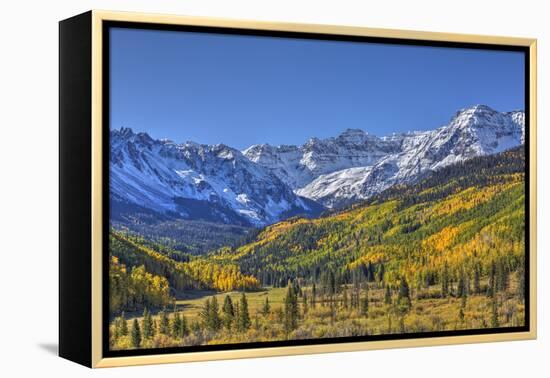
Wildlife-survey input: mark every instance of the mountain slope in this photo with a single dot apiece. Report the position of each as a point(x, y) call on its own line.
point(356, 165)
point(199, 182)
point(298, 166)
point(468, 213)
point(192, 273)
point(158, 181)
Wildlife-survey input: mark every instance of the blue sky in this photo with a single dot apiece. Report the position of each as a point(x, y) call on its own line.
point(243, 90)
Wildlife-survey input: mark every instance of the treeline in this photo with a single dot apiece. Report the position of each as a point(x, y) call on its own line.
point(139, 334)
point(200, 237)
point(333, 309)
point(130, 253)
point(173, 328)
point(465, 216)
point(161, 245)
point(135, 289)
point(197, 273)
point(214, 321)
point(478, 171)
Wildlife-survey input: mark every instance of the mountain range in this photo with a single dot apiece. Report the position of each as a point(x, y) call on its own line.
point(199, 182)
point(264, 183)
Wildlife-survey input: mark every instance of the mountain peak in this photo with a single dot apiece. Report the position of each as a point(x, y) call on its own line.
point(352, 132)
point(127, 133)
point(353, 135)
point(123, 132)
point(478, 109)
point(481, 108)
point(477, 116)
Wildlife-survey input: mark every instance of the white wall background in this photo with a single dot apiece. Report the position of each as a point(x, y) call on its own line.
point(28, 200)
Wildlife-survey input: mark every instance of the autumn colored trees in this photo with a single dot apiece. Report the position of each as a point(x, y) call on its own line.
point(146, 280)
point(143, 333)
point(455, 238)
point(135, 289)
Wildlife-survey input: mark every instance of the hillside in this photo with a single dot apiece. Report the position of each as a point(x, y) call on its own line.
point(444, 254)
point(462, 217)
point(189, 237)
point(143, 275)
point(154, 181)
point(356, 165)
point(212, 183)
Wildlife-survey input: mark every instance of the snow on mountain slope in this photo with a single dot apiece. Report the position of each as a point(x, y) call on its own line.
point(265, 183)
point(474, 131)
point(299, 166)
point(193, 181)
point(356, 165)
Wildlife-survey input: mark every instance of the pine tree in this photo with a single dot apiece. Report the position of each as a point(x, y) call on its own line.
point(266, 308)
point(214, 316)
point(176, 326)
point(380, 272)
point(205, 313)
point(164, 323)
point(155, 326)
point(365, 304)
point(332, 284)
point(462, 290)
point(477, 274)
point(499, 274)
point(291, 309)
point(136, 334)
point(123, 325)
point(402, 324)
point(494, 313)
point(313, 296)
point(462, 308)
point(503, 281)
point(228, 312)
point(184, 326)
point(304, 303)
point(332, 306)
point(491, 287)
point(404, 295)
point(445, 281)
point(196, 327)
point(357, 277)
point(280, 315)
point(345, 299)
point(116, 324)
point(521, 280)
point(297, 288)
point(387, 295)
point(244, 317)
point(148, 331)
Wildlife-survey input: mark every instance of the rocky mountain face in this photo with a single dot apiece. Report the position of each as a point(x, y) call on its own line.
point(199, 182)
point(300, 165)
point(265, 183)
point(355, 165)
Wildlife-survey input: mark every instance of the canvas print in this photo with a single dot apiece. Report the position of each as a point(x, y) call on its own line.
point(282, 190)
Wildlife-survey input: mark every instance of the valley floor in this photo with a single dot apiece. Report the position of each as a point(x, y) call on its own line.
point(327, 318)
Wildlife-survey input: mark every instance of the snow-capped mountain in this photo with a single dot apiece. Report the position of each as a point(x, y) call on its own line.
point(193, 181)
point(300, 165)
point(356, 165)
point(264, 183)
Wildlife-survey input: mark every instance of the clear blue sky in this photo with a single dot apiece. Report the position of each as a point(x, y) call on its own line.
point(243, 90)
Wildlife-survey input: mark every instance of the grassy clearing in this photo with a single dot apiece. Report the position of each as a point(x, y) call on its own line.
point(331, 319)
point(256, 299)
